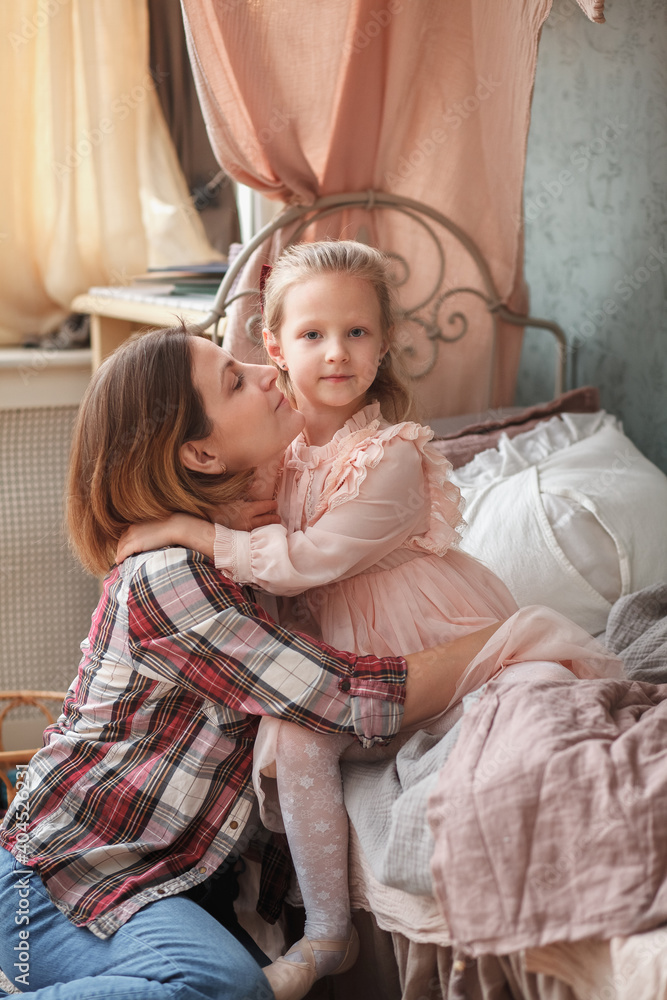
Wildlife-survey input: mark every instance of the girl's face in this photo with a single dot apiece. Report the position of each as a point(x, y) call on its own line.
point(253, 422)
point(331, 341)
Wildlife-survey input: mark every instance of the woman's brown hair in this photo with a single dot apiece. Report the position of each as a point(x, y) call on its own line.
point(125, 466)
point(307, 260)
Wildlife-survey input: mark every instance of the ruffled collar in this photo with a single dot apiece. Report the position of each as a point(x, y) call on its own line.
point(312, 455)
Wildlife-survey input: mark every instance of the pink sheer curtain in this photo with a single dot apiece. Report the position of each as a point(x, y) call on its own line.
point(425, 99)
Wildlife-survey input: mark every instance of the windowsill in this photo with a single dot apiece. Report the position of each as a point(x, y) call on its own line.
point(42, 377)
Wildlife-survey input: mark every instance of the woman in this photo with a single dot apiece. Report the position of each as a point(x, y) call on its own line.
point(142, 791)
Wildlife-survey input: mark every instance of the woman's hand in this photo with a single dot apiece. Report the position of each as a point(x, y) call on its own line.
point(244, 515)
point(178, 529)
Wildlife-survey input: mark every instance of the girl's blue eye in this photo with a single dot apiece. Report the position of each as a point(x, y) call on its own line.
point(357, 332)
point(311, 335)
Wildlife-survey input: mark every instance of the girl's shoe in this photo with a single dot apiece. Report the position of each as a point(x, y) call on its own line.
point(292, 980)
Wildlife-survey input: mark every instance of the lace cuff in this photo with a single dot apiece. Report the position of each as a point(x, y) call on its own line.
point(231, 553)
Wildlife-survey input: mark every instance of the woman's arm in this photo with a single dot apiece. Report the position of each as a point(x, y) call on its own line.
point(391, 505)
point(433, 674)
point(192, 628)
point(197, 630)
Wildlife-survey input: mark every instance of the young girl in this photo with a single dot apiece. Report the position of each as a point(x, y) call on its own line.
point(368, 536)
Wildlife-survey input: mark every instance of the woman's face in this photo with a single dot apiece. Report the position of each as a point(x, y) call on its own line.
point(253, 422)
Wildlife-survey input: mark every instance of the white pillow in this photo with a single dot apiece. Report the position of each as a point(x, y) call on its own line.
point(570, 515)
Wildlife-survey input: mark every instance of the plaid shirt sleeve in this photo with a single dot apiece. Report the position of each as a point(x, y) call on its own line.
point(190, 625)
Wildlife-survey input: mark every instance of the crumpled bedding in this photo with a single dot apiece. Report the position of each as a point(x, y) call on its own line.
point(387, 801)
point(568, 839)
point(387, 808)
point(637, 632)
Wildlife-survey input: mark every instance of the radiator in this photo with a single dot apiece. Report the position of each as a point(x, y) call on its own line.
point(46, 599)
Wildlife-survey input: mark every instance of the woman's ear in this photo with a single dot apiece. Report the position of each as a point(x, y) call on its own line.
point(196, 458)
point(273, 348)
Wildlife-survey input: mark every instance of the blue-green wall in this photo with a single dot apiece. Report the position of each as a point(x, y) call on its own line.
point(596, 208)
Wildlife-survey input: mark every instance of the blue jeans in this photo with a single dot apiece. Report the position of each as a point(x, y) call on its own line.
point(170, 949)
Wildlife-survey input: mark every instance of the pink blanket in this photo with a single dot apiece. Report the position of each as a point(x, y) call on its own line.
point(550, 817)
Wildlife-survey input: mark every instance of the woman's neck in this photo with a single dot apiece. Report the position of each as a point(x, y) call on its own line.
point(265, 483)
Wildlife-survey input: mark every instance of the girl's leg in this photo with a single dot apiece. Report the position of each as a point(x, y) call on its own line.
point(536, 670)
point(170, 949)
point(311, 797)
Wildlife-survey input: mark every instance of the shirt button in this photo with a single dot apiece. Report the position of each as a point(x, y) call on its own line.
point(345, 686)
point(233, 825)
point(161, 892)
point(202, 871)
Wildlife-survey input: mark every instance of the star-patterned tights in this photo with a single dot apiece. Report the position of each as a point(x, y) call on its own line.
point(311, 797)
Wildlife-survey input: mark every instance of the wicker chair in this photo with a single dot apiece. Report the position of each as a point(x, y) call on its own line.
point(9, 701)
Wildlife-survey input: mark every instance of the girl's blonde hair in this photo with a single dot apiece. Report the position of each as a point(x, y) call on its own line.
point(125, 466)
point(308, 260)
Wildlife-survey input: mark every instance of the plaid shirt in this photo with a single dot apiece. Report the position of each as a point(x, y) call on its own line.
point(143, 787)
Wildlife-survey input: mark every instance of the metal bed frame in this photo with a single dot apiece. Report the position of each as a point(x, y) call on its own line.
point(425, 313)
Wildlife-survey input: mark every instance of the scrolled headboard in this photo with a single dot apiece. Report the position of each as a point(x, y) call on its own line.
point(431, 313)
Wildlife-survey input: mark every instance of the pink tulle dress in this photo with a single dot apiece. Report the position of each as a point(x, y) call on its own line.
point(369, 533)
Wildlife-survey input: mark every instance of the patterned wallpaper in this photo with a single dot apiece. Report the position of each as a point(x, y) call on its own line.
point(596, 210)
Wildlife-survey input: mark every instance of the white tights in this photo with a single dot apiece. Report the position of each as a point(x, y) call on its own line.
point(536, 670)
point(311, 796)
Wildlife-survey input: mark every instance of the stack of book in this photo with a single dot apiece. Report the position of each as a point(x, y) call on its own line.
point(191, 279)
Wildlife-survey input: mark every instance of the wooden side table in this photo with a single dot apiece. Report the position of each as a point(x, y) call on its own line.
point(118, 312)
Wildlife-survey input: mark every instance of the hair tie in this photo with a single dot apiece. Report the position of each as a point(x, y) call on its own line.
point(263, 277)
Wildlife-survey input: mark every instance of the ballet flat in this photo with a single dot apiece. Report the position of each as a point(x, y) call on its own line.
point(292, 980)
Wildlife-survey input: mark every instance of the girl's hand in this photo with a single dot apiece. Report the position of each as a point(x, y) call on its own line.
point(194, 532)
point(178, 529)
point(244, 515)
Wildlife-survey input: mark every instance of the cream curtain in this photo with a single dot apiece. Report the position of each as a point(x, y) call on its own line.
point(91, 191)
point(424, 98)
